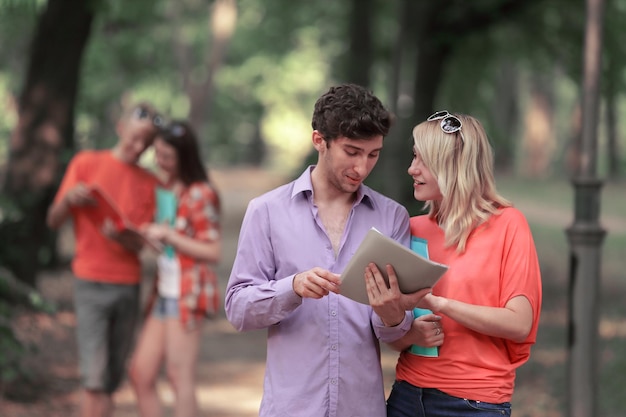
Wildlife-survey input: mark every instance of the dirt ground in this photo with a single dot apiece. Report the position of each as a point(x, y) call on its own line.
point(231, 364)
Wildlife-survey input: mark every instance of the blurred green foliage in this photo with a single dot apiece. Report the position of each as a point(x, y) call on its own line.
point(15, 296)
point(284, 54)
point(277, 64)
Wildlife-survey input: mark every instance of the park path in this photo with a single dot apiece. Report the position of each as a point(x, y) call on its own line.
point(231, 364)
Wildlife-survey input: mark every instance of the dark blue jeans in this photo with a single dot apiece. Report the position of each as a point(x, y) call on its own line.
point(407, 400)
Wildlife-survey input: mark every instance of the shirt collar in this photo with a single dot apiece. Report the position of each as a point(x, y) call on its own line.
point(304, 185)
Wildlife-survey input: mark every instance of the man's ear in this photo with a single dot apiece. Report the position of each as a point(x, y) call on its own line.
point(318, 140)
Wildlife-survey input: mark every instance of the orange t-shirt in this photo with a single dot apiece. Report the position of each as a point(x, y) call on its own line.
point(131, 187)
point(500, 262)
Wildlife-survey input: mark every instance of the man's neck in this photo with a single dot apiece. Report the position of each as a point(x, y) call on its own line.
point(117, 154)
point(327, 194)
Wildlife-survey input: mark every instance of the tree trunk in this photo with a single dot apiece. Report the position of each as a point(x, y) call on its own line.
point(432, 31)
point(538, 139)
point(612, 148)
point(223, 21)
point(429, 58)
point(199, 88)
point(400, 104)
point(42, 141)
point(505, 112)
point(359, 60)
point(611, 80)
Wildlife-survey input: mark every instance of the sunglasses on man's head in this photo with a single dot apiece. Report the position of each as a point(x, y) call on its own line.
point(142, 112)
point(449, 122)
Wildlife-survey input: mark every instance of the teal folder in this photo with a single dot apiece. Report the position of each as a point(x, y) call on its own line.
point(420, 246)
point(166, 213)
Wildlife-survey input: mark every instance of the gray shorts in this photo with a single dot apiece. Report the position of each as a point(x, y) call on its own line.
point(106, 316)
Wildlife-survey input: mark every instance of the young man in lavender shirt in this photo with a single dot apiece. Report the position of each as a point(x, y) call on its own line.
point(323, 353)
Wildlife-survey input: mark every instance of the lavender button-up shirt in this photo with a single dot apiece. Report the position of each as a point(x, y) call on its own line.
point(323, 356)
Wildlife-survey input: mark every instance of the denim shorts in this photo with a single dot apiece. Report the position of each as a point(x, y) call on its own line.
point(407, 400)
point(165, 308)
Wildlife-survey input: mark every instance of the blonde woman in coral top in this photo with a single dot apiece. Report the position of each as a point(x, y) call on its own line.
point(488, 301)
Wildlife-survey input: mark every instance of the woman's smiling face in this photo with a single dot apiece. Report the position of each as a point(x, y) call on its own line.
point(425, 186)
point(166, 157)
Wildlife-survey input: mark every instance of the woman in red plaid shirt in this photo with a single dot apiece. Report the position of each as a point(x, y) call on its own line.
point(186, 289)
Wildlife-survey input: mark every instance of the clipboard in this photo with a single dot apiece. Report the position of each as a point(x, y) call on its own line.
point(414, 272)
point(105, 209)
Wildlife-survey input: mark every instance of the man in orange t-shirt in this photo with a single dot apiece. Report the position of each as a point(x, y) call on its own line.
point(106, 262)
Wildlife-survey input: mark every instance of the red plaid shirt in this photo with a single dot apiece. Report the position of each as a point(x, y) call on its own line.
point(198, 216)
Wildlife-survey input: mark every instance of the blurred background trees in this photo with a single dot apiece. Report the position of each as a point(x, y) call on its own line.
point(247, 74)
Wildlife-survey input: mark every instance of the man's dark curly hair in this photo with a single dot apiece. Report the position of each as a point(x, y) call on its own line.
point(351, 111)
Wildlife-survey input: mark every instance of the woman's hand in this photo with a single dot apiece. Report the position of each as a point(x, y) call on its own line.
point(159, 232)
point(432, 302)
point(427, 331)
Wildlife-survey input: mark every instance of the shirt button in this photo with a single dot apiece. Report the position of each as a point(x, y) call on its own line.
point(333, 313)
point(333, 347)
point(333, 381)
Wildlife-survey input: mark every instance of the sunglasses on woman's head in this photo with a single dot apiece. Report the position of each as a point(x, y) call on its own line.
point(142, 112)
point(176, 130)
point(449, 122)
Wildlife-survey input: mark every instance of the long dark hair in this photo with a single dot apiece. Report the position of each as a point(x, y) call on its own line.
point(180, 135)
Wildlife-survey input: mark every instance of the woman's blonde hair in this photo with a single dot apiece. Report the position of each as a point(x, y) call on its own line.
point(462, 164)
